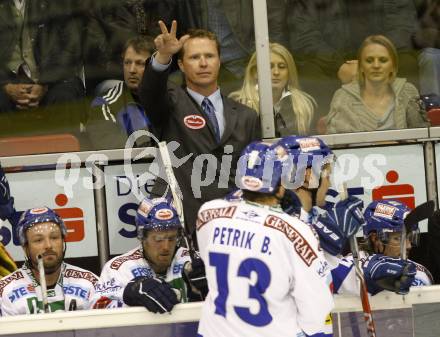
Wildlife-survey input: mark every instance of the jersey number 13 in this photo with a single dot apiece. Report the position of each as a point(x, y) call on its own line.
point(221, 263)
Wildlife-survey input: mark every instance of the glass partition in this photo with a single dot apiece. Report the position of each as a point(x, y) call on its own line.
point(367, 65)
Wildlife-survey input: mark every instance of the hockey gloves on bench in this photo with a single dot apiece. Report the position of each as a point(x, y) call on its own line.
point(150, 292)
point(393, 274)
point(194, 276)
point(339, 223)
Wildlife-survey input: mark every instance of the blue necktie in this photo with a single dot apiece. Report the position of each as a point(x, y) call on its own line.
point(209, 110)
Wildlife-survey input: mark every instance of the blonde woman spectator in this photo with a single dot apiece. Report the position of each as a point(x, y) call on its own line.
point(378, 100)
point(293, 108)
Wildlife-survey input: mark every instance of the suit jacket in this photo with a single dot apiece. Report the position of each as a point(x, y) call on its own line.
point(55, 29)
point(177, 117)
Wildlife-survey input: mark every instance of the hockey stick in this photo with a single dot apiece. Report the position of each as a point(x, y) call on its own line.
point(366, 307)
point(176, 192)
point(421, 212)
point(43, 283)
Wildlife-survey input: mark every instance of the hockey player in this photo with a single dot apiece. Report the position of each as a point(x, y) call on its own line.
point(42, 232)
point(310, 162)
point(383, 266)
point(265, 269)
point(149, 275)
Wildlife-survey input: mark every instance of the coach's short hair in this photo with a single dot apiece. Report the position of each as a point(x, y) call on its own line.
point(200, 33)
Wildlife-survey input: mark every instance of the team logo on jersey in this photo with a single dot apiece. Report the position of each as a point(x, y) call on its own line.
point(251, 183)
point(384, 211)
point(249, 215)
point(164, 214)
point(40, 210)
point(309, 144)
point(194, 122)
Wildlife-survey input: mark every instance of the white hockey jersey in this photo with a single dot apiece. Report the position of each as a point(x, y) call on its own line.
point(122, 269)
point(266, 273)
point(20, 292)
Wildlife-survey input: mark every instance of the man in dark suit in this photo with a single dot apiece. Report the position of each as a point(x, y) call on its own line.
point(211, 129)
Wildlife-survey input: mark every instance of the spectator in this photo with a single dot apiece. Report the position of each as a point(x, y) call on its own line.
point(39, 61)
point(117, 114)
point(197, 117)
point(325, 34)
point(379, 100)
point(293, 108)
point(149, 275)
point(42, 235)
point(427, 38)
point(112, 22)
point(233, 23)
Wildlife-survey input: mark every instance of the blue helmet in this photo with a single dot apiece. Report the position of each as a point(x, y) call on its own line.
point(260, 167)
point(35, 216)
point(387, 216)
point(305, 152)
point(156, 214)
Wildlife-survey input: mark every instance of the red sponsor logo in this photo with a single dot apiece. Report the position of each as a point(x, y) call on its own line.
point(85, 275)
point(73, 219)
point(38, 210)
point(309, 144)
point(251, 183)
point(384, 211)
point(214, 213)
point(164, 214)
point(145, 207)
point(12, 277)
point(300, 244)
point(136, 255)
point(194, 122)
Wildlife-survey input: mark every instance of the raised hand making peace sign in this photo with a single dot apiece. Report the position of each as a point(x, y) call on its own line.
point(167, 43)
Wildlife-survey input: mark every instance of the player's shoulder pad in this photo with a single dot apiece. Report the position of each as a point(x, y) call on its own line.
point(80, 273)
point(8, 279)
point(118, 261)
